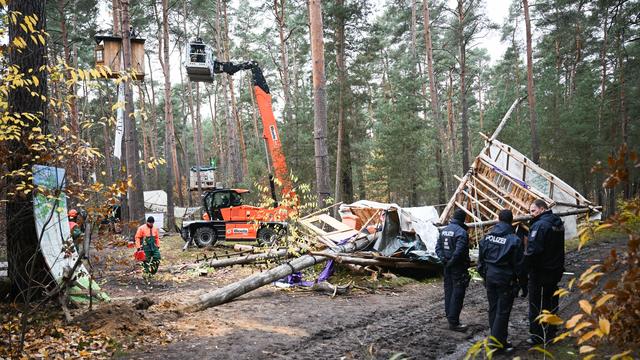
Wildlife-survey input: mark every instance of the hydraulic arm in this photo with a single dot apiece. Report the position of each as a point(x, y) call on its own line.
point(275, 156)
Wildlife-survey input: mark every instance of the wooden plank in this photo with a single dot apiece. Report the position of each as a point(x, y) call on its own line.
point(334, 223)
point(530, 189)
point(492, 201)
point(505, 196)
point(467, 211)
point(480, 203)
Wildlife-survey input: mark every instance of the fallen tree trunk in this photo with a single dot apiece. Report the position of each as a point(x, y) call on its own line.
point(232, 291)
point(395, 264)
point(248, 259)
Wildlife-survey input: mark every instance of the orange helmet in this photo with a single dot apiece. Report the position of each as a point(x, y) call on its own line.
point(72, 213)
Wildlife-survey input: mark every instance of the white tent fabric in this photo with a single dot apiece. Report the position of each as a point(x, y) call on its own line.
point(415, 219)
point(156, 201)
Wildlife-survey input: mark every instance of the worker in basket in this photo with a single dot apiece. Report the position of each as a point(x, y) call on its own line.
point(148, 239)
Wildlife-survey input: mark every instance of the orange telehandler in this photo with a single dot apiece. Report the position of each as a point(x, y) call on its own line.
point(228, 217)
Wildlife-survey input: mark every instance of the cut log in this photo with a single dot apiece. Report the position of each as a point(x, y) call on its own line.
point(395, 264)
point(248, 259)
point(232, 291)
point(329, 288)
point(241, 247)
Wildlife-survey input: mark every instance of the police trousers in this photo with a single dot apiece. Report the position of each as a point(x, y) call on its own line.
point(456, 281)
point(541, 298)
point(500, 298)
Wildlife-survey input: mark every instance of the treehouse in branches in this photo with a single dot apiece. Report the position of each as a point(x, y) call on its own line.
point(108, 53)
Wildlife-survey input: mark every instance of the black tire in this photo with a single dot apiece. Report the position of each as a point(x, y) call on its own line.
point(205, 236)
point(267, 236)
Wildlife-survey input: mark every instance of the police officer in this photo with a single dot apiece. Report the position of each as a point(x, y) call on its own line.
point(544, 261)
point(453, 250)
point(500, 265)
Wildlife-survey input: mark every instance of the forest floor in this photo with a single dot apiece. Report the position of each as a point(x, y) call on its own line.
point(377, 319)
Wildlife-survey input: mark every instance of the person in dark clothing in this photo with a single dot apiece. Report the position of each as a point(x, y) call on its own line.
point(544, 262)
point(453, 250)
point(500, 265)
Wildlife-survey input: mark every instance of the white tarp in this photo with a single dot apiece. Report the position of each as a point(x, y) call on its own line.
point(418, 220)
point(52, 223)
point(156, 201)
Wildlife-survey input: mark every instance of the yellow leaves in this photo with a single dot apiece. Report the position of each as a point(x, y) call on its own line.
point(603, 299)
point(603, 226)
point(561, 292)
point(584, 235)
point(548, 318)
point(585, 306)
point(581, 326)
point(604, 326)
point(543, 351)
point(3, 3)
point(19, 42)
point(573, 321)
point(588, 335)
point(117, 105)
point(586, 349)
point(561, 336)
point(622, 356)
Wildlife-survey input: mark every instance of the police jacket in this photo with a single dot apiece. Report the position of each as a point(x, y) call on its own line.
point(453, 245)
point(544, 255)
point(500, 259)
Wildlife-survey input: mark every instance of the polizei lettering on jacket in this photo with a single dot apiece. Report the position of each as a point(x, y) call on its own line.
point(496, 239)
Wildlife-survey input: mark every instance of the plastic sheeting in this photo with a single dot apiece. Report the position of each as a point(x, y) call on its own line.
point(408, 229)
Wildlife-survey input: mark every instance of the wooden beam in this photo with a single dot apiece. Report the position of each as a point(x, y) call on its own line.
point(496, 132)
point(472, 198)
point(467, 211)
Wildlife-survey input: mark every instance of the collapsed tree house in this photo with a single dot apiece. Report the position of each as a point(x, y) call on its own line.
point(501, 177)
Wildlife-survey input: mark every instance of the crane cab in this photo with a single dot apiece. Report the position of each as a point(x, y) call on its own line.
point(199, 61)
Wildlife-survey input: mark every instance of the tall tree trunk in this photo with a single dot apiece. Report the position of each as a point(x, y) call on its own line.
point(340, 64)
point(603, 66)
point(136, 198)
point(154, 125)
point(26, 265)
point(169, 133)
point(194, 116)
point(435, 108)
point(116, 17)
point(234, 160)
point(185, 171)
point(462, 58)
point(319, 102)
point(531, 95)
point(279, 7)
point(75, 170)
point(624, 115)
point(451, 119)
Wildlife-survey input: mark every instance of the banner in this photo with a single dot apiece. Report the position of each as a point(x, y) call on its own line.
point(117, 146)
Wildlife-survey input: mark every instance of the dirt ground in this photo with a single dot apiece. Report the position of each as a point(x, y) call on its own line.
point(374, 321)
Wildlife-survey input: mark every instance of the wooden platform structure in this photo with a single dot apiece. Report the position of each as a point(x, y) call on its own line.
point(503, 178)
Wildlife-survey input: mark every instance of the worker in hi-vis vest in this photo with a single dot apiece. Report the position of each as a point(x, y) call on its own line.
point(148, 238)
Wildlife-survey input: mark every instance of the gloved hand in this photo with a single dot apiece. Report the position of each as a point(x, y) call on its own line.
point(524, 291)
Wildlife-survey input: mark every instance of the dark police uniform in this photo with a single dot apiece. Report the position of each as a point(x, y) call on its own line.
point(453, 250)
point(500, 263)
point(544, 259)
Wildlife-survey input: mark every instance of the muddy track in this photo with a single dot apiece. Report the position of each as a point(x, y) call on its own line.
point(271, 323)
